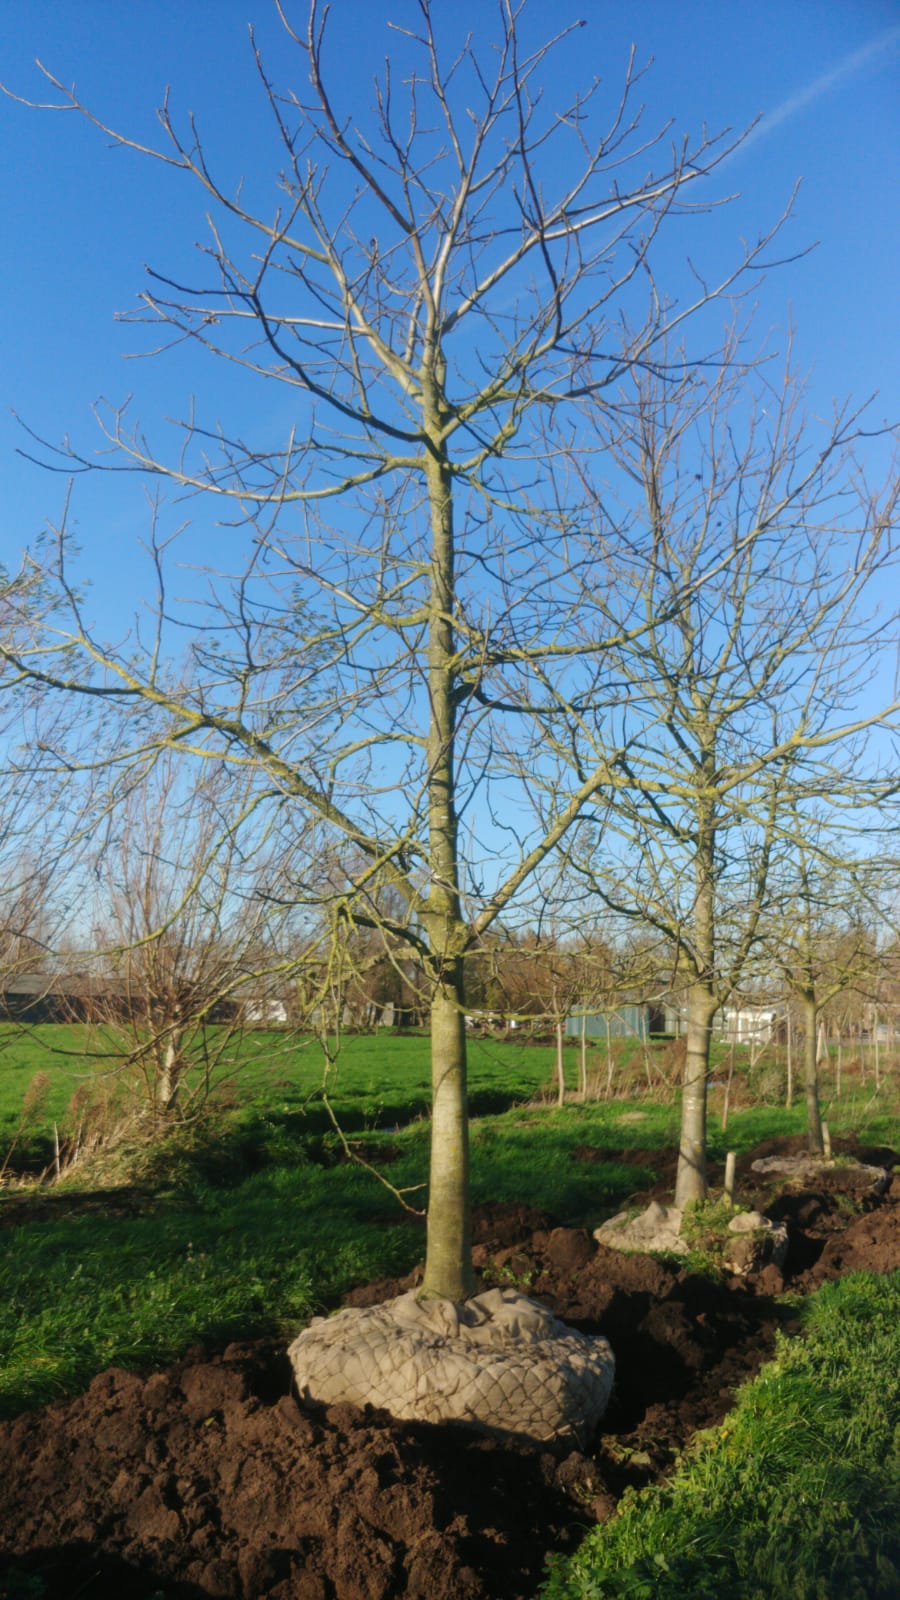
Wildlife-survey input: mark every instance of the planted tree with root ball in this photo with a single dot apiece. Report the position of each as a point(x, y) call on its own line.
point(430, 291)
point(747, 699)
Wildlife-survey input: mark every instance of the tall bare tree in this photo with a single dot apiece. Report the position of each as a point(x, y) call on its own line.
point(745, 702)
point(432, 287)
point(41, 807)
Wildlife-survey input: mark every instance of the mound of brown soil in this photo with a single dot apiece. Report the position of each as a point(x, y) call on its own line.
point(208, 1480)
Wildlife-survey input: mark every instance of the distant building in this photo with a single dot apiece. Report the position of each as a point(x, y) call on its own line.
point(265, 1013)
point(39, 997)
point(746, 1025)
point(625, 1022)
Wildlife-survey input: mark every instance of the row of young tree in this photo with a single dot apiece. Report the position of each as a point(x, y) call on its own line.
point(551, 598)
point(187, 941)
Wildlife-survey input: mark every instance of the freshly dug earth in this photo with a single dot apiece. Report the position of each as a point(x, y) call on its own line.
point(209, 1480)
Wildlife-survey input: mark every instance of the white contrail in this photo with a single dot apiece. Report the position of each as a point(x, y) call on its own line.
point(821, 85)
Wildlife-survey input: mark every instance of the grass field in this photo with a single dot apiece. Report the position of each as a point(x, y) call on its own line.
point(252, 1224)
point(378, 1080)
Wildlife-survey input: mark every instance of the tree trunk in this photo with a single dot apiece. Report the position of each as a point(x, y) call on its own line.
point(645, 1052)
point(583, 1066)
point(789, 1097)
point(690, 1183)
point(728, 1082)
point(448, 1263)
point(815, 1137)
point(862, 1055)
point(168, 1081)
point(560, 1066)
point(821, 1048)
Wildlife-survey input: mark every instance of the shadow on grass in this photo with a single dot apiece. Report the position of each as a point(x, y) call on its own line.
point(49, 1205)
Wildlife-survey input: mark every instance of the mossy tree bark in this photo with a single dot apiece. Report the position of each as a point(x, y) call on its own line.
point(690, 1182)
point(448, 1267)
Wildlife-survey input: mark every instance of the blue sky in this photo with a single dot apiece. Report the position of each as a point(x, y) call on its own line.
point(80, 220)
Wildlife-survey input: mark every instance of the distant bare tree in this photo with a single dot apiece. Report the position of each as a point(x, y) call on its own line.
point(42, 808)
point(820, 935)
point(187, 945)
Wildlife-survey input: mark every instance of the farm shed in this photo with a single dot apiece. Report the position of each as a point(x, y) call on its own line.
point(626, 1022)
point(36, 997)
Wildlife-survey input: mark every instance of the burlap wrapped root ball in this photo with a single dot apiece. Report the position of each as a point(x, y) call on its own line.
point(499, 1361)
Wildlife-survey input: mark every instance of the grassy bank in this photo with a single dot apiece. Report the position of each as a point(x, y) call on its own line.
point(795, 1497)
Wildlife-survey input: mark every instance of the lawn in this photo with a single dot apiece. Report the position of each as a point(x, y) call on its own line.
point(378, 1080)
point(254, 1221)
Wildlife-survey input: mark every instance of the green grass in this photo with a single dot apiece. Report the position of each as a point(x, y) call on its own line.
point(249, 1221)
point(378, 1079)
point(83, 1289)
point(795, 1497)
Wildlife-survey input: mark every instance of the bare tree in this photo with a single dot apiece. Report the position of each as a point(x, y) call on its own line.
point(41, 813)
point(186, 943)
point(742, 704)
point(433, 290)
point(820, 935)
point(540, 977)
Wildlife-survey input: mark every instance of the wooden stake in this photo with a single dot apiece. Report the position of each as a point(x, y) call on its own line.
point(729, 1176)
